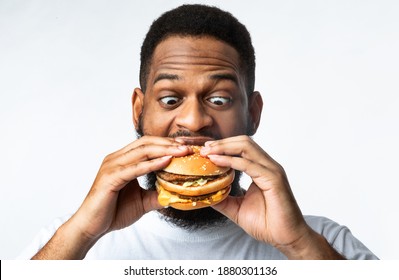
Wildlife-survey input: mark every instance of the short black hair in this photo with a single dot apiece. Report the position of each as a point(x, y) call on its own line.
point(200, 20)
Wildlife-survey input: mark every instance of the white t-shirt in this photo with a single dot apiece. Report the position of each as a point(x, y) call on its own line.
point(154, 238)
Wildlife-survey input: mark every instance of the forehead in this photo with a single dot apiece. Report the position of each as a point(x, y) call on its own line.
point(177, 51)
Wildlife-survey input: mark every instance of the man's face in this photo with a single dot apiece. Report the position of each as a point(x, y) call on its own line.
point(195, 87)
point(195, 90)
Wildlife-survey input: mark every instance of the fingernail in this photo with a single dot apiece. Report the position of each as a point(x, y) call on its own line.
point(182, 147)
point(205, 150)
point(179, 140)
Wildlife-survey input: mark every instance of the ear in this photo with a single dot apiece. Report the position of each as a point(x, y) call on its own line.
point(255, 105)
point(137, 105)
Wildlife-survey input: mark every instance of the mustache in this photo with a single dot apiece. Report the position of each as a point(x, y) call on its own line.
point(140, 132)
point(187, 133)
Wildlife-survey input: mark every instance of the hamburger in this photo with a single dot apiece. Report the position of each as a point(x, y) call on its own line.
point(193, 182)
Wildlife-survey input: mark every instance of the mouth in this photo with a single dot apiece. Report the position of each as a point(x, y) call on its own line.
point(197, 140)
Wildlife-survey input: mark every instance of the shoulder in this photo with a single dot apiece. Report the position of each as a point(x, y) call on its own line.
point(322, 224)
point(340, 238)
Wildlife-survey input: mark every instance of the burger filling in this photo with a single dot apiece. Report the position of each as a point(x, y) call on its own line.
point(166, 197)
point(187, 180)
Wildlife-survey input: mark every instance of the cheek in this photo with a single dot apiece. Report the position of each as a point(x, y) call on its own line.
point(232, 123)
point(155, 123)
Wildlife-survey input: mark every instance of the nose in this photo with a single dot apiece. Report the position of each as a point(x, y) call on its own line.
point(193, 116)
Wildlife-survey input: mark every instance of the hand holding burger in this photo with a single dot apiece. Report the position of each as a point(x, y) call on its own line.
point(193, 182)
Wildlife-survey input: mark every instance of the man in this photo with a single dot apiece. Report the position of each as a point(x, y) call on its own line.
point(196, 87)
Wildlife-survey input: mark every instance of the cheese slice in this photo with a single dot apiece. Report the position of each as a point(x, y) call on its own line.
point(166, 198)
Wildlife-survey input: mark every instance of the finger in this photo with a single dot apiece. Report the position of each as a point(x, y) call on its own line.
point(117, 172)
point(242, 146)
point(146, 140)
point(116, 178)
point(261, 175)
point(147, 152)
point(238, 163)
point(239, 138)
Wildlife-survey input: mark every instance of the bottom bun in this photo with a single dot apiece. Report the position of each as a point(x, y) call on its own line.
point(167, 198)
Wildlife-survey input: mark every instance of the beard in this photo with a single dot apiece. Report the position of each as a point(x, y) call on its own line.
point(197, 218)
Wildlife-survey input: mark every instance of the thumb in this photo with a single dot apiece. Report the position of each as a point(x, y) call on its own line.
point(150, 201)
point(229, 207)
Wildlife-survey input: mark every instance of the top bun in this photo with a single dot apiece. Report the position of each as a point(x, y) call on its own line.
point(194, 164)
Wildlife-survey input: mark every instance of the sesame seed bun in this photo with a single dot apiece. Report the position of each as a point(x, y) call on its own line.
point(194, 164)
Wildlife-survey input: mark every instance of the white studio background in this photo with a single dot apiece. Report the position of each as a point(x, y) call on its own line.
point(328, 72)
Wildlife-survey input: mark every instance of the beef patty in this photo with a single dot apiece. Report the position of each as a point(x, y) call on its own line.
point(171, 177)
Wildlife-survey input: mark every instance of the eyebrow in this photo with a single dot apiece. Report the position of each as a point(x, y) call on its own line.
point(165, 76)
point(224, 76)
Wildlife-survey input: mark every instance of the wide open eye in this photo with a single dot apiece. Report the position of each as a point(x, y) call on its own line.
point(170, 100)
point(219, 100)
